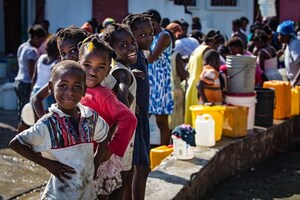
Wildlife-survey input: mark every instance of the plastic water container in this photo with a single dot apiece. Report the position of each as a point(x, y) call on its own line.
point(240, 74)
point(182, 150)
point(295, 100)
point(205, 130)
point(154, 131)
point(158, 154)
point(9, 97)
point(264, 109)
point(248, 100)
point(282, 96)
point(235, 121)
point(217, 113)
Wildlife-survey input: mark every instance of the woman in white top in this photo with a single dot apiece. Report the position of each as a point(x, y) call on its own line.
point(267, 56)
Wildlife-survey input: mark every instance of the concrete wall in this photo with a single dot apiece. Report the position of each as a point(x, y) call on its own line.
point(193, 179)
point(67, 12)
point(219, 18)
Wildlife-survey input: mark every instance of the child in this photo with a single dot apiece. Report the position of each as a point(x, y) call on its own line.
point(95, 55)
point(121, 39)
point(142, 29)
point(65, 137)
point(43, 69)
point(67, 41)
point(210, 84)
point(161, 102)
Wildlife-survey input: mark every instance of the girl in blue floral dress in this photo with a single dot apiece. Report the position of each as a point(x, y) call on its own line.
point(161, 102)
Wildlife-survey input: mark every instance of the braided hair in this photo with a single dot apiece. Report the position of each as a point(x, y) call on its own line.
point(133, 20)
point(112, 30)
point(95, 43)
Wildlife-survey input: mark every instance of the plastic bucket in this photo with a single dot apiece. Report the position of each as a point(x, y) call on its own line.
point(9, 97)
point(217, 113)
point(240, 74)
point(264, 109)
point(205, 130)
point(234, 126)
point(182, 150)
point(244, 100)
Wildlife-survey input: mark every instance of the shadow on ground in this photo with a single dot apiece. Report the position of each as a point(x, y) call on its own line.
point(277, 178)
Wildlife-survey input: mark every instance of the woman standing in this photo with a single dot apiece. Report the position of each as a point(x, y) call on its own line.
point(267, 56)
point(27, 56)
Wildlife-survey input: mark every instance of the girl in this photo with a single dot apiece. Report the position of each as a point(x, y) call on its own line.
point(161, 101)
point(27, 56)
point(142, 29)
point(65, 136)
point(121, 39)
point(96, 55)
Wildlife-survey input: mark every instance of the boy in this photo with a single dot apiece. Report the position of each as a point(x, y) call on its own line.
point(65, 136)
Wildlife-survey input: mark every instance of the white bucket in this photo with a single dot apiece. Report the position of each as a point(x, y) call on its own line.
point(9, 97)
point(182, 150)
point(240, 74)
point(248, 101)
point(154, 131)
point(205, 130)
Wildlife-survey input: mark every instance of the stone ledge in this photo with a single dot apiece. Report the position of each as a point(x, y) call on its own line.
point(193, 179)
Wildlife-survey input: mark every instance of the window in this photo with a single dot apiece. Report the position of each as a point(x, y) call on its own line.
point(223, 4)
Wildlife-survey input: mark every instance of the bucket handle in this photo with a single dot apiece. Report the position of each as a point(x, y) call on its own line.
point(237, 72)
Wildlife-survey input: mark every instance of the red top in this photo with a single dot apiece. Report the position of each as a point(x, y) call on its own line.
point(106, 104)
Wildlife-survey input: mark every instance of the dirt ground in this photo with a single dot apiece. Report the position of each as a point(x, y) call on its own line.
point(277, 178)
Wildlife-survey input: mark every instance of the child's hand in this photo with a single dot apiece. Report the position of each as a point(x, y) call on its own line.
point(60, 170)
point(138, 74)
point(137, 110)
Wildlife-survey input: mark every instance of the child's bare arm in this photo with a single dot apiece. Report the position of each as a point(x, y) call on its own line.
point(37, 101)
point(124, 80)
point(58, 169)
point(201, 93)
point(162, 43)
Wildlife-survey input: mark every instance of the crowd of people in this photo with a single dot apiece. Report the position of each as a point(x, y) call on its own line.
point(93, 89)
